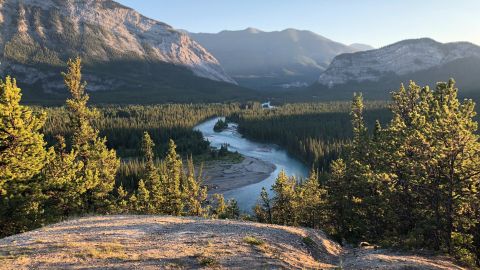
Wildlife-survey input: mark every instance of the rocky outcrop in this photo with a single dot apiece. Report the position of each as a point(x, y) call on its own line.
point(165, 242)
point(399, 59)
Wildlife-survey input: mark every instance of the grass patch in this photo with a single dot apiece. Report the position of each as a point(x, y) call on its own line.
point(15, 253)
point(253, 241)
point(104, 251)
point(207, 261)
point(309, 242)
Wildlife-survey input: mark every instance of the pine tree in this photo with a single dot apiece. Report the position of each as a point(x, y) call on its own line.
point(359, 129)
point(263, 209)
point(218, 206)
point(142, 199)
point(99, 164)
point(434, 166)
point(121, 204)
point(415, 180)
point(355, 191)
point(403, 156)
point(232, 211)
point(152, 176)
point(173, 204)
point(195, 196)
point(311, 202)
point(22, 157)
point(339, 199)
point(63, 186)
point(456, 163)
point(22, 148)
point(284, 201)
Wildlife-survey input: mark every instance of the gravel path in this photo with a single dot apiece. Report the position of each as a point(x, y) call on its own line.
point(164, 242)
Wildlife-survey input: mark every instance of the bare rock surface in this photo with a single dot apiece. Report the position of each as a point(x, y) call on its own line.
point(164, 242)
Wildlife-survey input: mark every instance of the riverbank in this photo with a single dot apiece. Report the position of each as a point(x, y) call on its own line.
point(246, 183)
point(221, 176)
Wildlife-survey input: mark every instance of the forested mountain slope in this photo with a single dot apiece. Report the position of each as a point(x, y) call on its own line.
point(121, 49)
point(425, 61)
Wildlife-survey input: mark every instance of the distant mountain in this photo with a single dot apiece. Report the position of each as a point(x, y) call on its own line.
point(265, 60)
point(377, 72)
point(361, 47)
point(122, 50)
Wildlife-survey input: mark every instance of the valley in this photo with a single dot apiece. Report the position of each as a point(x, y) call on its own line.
point(130, 143)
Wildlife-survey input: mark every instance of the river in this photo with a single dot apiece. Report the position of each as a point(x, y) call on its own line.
point(247, 196)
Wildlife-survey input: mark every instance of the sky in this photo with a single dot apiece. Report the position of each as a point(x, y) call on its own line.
point(374, 22)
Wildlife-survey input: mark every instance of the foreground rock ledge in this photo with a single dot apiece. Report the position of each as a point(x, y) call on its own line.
point(164, 242)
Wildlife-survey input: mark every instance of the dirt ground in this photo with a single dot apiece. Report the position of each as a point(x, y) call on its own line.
point(163, 242)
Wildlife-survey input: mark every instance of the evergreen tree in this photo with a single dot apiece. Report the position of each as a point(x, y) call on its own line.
point(99, 164)
point(232, 211)
point(414, 182)
point(311, 202)
point(434, 166)
point(284, 201)
point(22, 148)
point(172, 178)
point(195, 195)
point(121, 204)
point(151, 176)
point(22, 157)
point(404, 156)
point(263, 209)
point(142, 204)
point(218, 206)
point(63, 185)
point(339, 199)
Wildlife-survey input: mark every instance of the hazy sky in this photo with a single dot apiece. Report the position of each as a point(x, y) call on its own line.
point(374, 22)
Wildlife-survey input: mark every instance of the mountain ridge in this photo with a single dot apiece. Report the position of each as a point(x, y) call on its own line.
point(400, 58)
point(378, 72)
point(39, 36)
point(275, 59)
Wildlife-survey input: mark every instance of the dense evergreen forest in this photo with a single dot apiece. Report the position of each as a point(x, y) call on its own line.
point(413, 183)
point(313, 132)
point(124, 125)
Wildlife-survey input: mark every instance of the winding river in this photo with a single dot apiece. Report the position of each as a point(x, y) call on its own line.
point(247, 196)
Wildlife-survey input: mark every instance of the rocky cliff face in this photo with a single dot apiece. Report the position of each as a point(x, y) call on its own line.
point(399, 59)
point(44, 33)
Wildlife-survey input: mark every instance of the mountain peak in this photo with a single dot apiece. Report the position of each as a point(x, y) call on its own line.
point(100, 31)
point(253, 30)
point(398, 59)
point(361, 46)
point(262, 60)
